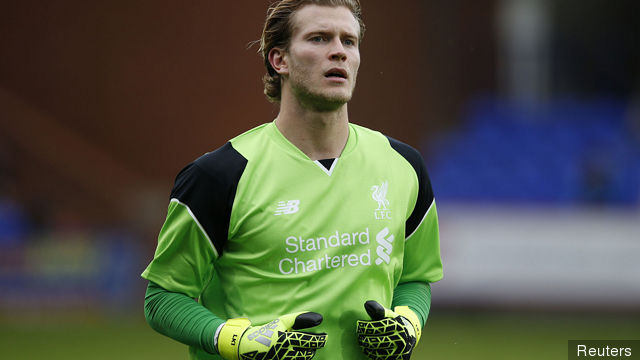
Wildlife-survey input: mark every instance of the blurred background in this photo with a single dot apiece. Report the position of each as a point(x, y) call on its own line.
point(527, 113)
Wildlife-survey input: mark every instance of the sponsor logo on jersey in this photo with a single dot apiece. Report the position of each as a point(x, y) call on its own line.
point(379, 194)
point(356, 251)
point(384, 246)
point(287, 207)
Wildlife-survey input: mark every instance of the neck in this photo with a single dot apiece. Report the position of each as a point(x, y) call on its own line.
point(318, 134)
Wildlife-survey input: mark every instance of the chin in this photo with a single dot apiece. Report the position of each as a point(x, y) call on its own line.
point(344, 98)
point(337, 95)
point(324, 101)
point(331, 102)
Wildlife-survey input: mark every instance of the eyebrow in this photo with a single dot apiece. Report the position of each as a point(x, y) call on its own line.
point(347, 34)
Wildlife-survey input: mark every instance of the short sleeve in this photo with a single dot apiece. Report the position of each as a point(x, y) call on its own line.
point(195, 231)
point(422, 261)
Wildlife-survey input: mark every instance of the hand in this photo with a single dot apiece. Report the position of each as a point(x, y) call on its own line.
point(390, 335)
point(278, 339)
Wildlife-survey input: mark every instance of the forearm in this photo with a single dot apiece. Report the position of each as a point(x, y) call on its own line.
point(415, 295)
point(181, 318)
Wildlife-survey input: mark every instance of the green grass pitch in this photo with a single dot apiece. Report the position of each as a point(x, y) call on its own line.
point(448, 336)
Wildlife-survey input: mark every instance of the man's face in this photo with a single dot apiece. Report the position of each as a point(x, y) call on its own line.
point(323, 56)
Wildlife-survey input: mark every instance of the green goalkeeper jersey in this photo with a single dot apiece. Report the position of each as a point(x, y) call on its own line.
point(256, 229)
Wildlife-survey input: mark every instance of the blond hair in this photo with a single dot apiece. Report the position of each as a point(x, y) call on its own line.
point(277, 32)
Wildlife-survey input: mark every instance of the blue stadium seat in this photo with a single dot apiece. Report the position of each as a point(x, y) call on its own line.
point(564, 152)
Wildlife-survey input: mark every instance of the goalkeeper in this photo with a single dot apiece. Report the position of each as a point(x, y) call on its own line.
point(305, 237)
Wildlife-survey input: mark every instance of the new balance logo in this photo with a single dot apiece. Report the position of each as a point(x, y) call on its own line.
point(379, 194)
point(287, 207)
point(384, 246)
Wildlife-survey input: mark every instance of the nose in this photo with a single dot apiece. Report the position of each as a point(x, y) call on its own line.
point(337, 51)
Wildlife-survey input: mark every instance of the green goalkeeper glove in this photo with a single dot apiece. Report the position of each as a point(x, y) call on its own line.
point(238, 340)
point(390, 335)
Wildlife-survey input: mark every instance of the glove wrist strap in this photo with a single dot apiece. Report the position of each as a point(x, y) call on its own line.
point(412, 317)
point(229, 337)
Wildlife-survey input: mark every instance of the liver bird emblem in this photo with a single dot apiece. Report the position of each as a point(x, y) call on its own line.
point(379, 194)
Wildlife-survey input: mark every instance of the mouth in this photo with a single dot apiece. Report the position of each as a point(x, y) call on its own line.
point(336, 73)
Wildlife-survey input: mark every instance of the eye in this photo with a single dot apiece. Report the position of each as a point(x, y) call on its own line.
point(317, 38)
point(349, 42)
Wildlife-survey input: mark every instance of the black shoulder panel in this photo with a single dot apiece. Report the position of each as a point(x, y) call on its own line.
point(425, 192)
point(208, 186)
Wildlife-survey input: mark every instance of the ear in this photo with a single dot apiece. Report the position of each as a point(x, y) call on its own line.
point(278, 61)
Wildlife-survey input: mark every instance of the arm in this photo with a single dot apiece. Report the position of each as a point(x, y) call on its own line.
point(415, 295)
point(189, 243)
point(180, 317)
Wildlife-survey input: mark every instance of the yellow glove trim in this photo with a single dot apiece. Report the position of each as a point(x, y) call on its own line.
point(412, 317)
point(229, 337)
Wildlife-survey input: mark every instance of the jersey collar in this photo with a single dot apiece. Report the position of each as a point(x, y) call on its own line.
point(287, 146)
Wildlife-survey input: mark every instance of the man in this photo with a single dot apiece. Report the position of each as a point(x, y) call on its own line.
point(305, 223)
